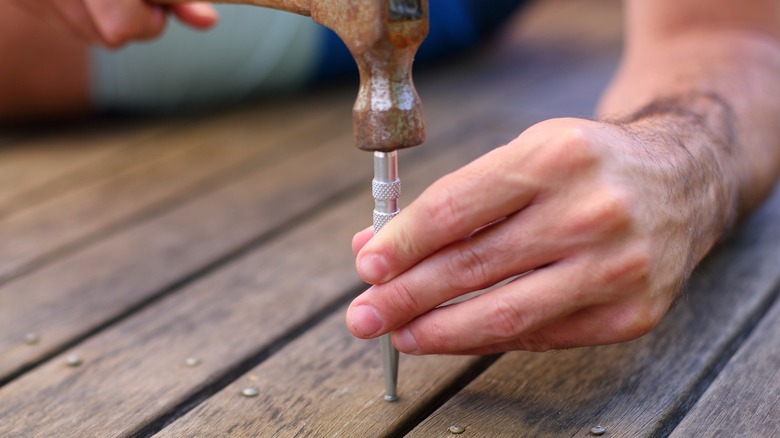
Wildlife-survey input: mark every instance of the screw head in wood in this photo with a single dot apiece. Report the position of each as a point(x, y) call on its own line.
point(32, 338)
point(192, 362)
point(598, 430)
point(250, 392)
point(456, 429)
point(73, 360)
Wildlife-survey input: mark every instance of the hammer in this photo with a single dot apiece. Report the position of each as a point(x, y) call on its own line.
point(383, 37)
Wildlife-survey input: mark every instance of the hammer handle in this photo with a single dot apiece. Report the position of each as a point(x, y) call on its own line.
point(301, 7)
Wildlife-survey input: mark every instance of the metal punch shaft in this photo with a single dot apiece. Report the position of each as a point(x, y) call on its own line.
point(386, 189)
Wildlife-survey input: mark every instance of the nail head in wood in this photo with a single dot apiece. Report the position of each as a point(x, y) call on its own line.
point(32, 338)
point(192, 362)
point(456, 429)
point(73, 360)
point(598, 430)
point(250, 392)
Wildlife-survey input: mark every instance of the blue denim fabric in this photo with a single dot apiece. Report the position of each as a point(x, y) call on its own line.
point(456, 25)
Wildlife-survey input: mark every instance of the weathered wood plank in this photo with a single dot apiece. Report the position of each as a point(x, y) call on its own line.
point(37, 167)
point(744, 400)
point(162, 172)
point(78, 293)
point(637, 388)
point(71, 297)
point(338, 380)
point(326, 384)
point(225, 319)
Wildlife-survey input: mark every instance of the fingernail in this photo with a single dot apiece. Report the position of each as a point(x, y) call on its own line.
point(405, 342)
point(373, 268)
point(365, 321)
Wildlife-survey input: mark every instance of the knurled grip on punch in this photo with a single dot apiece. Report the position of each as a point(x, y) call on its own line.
point(386, 191)
point(381, 219)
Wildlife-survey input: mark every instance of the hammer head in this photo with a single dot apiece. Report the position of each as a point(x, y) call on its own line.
point(383, 36)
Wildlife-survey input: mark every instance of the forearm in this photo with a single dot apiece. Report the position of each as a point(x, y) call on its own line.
point(714, 91)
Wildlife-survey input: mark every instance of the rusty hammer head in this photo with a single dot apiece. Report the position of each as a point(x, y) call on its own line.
point(383, 36)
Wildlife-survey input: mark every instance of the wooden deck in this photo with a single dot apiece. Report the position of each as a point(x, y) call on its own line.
point(183, 261)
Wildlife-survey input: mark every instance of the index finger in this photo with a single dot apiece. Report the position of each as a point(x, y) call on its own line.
point(452, 208)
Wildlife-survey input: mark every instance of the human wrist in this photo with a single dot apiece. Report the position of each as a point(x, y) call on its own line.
point(693, 142)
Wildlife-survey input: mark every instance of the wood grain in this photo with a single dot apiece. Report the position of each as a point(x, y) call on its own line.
point(744, 400)
point(152, 177)
point(224, 319)
point(40, 166)
point(637, 388)
point(325, 384)
point(338, 380)
point(77, 293)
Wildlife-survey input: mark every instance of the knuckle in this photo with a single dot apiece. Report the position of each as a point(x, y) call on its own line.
point(581, 293)
point(563, 146)
point(613, 212)
point(153, 29)
point(468, 269)
point(535, 342)
point(575, 148)
point(436, 339)
point(111, 43)
point(402, 298)
point(444, 209)
point(637, 267)
point(116, 35)
point(629, 270)
point(407, 245)
point(608, 211)
point(505, 320)
point(643, 319)
point(114, 29)
point(117, 31)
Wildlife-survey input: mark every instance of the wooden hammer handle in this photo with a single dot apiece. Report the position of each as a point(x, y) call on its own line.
point(301, 7)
